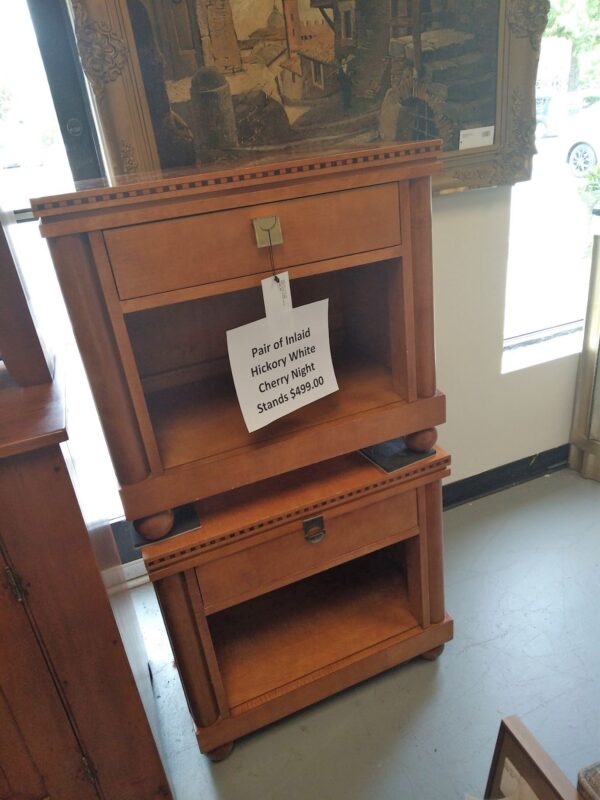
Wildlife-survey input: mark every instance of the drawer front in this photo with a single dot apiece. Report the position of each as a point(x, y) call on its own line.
point(175, 254)
point(266, 565)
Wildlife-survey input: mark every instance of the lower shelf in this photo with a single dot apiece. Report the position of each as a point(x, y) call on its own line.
point(267, 644)
point(337, 677)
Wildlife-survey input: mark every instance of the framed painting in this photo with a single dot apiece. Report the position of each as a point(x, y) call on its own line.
point(229, 82)
point(521, 770)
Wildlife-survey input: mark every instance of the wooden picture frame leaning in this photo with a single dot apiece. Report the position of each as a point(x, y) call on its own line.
point(518, 753)
point(145, 128)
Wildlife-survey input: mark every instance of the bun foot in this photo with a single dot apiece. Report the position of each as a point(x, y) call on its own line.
point(220, 753)
point(421, 441)
point(432, 655)
point(156, 526)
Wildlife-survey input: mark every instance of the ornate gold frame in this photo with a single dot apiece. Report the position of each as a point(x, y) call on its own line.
point(509, 159)
point(108, 55)
point(109, 59)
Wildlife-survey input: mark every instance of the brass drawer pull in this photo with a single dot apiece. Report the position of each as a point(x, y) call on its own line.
point(314, 529)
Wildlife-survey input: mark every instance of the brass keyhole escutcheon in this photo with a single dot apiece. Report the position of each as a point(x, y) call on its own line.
point(314, 529)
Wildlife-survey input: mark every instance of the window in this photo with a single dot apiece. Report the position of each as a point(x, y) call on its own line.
point(424, 125)
point(33, 162)
point(550, 225)
point(317, 70)
point(32, 154)
point(348, 25)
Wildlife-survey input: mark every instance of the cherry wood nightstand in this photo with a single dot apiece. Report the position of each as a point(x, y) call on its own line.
point(311, 569)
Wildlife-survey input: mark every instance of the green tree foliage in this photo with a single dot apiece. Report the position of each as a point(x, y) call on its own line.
point(579, 22)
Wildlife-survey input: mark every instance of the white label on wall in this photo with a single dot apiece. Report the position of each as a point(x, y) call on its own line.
point(282, 362)
point(476, 137)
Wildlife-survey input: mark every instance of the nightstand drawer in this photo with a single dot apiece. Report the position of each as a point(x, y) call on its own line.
point(309, 545)
point(179, 253)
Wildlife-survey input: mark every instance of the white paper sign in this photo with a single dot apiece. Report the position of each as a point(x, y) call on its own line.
point(282, 362)
point(476, 137)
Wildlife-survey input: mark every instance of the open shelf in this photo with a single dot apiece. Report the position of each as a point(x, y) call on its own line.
point(289, 634)
point(181, 355)
point(202, 419)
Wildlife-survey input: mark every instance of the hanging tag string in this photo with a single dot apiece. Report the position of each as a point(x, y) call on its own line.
point(272, 259)
point(271, 256)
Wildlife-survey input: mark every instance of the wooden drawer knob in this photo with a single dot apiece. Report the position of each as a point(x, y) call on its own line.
point(421, 441)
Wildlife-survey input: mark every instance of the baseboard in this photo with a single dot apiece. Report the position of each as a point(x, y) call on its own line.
point(135, 573)
point(499, 478)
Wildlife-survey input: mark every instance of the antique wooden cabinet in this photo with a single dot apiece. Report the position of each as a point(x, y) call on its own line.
point(297, 532)
point(72, 724)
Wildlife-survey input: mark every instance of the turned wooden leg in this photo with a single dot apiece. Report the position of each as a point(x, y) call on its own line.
point(421, 441)
point(155, 526)
point(432, 655)
point(220, 753)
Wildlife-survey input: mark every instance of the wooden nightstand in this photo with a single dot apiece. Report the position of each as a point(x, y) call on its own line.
point(311, 569)
point(300, 586)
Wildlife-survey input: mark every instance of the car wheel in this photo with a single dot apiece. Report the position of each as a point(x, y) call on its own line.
point(582, 158)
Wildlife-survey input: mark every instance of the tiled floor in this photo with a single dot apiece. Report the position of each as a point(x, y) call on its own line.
point(523, 584)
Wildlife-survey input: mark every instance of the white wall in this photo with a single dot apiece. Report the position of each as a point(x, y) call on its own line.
point(493, 419)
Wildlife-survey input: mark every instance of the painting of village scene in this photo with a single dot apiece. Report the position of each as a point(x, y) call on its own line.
point(252, 80)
